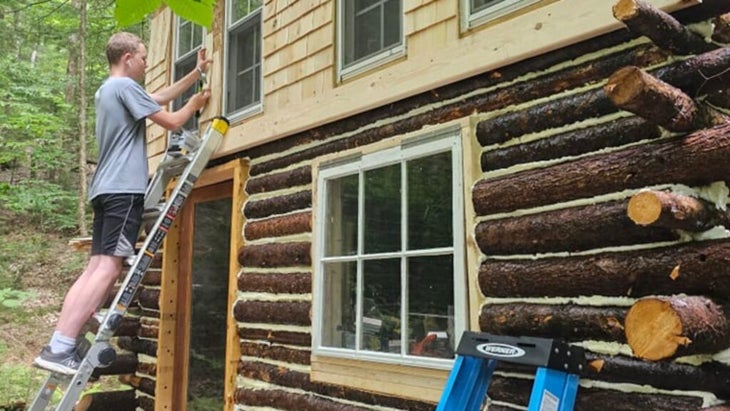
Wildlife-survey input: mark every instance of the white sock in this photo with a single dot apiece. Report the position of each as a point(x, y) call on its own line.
point(61, 343)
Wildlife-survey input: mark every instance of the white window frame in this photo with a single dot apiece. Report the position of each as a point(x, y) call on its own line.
point(383, 57)
point(430, 144)
point(471, 19)
point(247, 20)
point(192, 53)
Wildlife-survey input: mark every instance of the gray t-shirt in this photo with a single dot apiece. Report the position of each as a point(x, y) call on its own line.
point(122, 106)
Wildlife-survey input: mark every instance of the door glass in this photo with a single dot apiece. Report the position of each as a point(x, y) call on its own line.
point(209, 305)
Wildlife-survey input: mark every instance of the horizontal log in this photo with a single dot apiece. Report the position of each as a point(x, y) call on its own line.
point(153, 277)
point(146, 403)
point(717, 408)
point(572, 143)
point(128, 327)
point(278, 205)
point(711, 377)
point(676, 211)
point(286, 400)
point(284, 179)
point(721, 28)
point(274, 283)
point(694, 268)
point(301, 380)
point(666, 327)
point(143, 384)
point(275, 336)
point(149, 298)
point(150, 328)
point(569, 322)
point(147, 368)
point(554, 113)
point(276, 255)
point(702, 156)
point(688, 75)
point(122, 400)
point(569, 229)
point(273, 312)
point(125, 363)
point(279, 226)
point(664, 30)
point(138, 345)
point(276, 352)
point(634, 90)
point(517, 391)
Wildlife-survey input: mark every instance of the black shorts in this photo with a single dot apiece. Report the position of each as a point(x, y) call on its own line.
point(117, 219)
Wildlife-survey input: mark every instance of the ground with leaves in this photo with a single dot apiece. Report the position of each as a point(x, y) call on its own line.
point(36, 269)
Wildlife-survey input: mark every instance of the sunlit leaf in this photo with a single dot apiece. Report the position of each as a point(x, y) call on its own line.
point(198, 11)
point(128, 12)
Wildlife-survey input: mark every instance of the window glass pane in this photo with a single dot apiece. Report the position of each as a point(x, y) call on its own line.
point(368, 39)
point(341, 216)
point(431, 306)
point(383, 209)
point(340, 286)
point(242, 8)
point(209, 304)
point(480, 5)
point(391, 27)
point(184, 37)
point(244, 70)
point(381, 305)
point(183, 67)
point(429, 202)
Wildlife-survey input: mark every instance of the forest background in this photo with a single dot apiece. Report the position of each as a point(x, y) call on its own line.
point(51, 63)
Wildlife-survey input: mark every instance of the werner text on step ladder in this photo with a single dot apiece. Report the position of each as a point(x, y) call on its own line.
point(119, 194)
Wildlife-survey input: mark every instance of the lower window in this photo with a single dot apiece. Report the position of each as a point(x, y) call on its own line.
point(389, 273)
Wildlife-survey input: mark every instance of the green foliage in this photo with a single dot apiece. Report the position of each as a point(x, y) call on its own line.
point(46, 205)
point(12, 298)
point(128, 12)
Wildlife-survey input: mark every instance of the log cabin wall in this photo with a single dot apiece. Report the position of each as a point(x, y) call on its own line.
point(560, 258)
point(555, 253)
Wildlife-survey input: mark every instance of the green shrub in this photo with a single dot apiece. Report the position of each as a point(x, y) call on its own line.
point(41, 203)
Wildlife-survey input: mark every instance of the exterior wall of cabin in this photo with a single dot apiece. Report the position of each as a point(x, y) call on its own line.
point(549, 165)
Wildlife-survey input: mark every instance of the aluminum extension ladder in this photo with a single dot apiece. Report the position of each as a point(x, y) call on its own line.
point(186, 158)
point(556, 379)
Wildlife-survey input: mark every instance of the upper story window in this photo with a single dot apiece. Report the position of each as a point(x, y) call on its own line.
point(243, 61)
point(188, 40)
point(370, 33)
point(390, 255)
point(480, 11)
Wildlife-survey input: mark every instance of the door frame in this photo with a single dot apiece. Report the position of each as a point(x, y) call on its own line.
point(173, 341)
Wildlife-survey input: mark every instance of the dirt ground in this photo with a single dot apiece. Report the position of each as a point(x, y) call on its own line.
point(47, 275)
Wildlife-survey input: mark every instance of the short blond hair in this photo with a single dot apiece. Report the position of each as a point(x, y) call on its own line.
point(120, 44)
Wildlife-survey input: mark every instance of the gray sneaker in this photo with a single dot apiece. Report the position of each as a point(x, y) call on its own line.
point(63, 362)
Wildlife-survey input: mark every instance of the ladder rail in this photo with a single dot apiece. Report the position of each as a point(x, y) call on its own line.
point(101, 354)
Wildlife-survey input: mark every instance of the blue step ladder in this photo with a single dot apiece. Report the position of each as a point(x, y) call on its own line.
point(556, 379)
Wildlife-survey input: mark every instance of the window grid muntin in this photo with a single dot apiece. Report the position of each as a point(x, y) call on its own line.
point(412, 149)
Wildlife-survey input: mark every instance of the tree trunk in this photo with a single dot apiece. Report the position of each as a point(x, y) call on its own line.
point(634, 90)
point(665, 327)
point(81, 206)
point(676, 211)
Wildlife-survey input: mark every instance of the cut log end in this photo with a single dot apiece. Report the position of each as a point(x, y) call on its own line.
point(644, 208)
point(624, 85)
point(625, 10)
point(654, 330)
